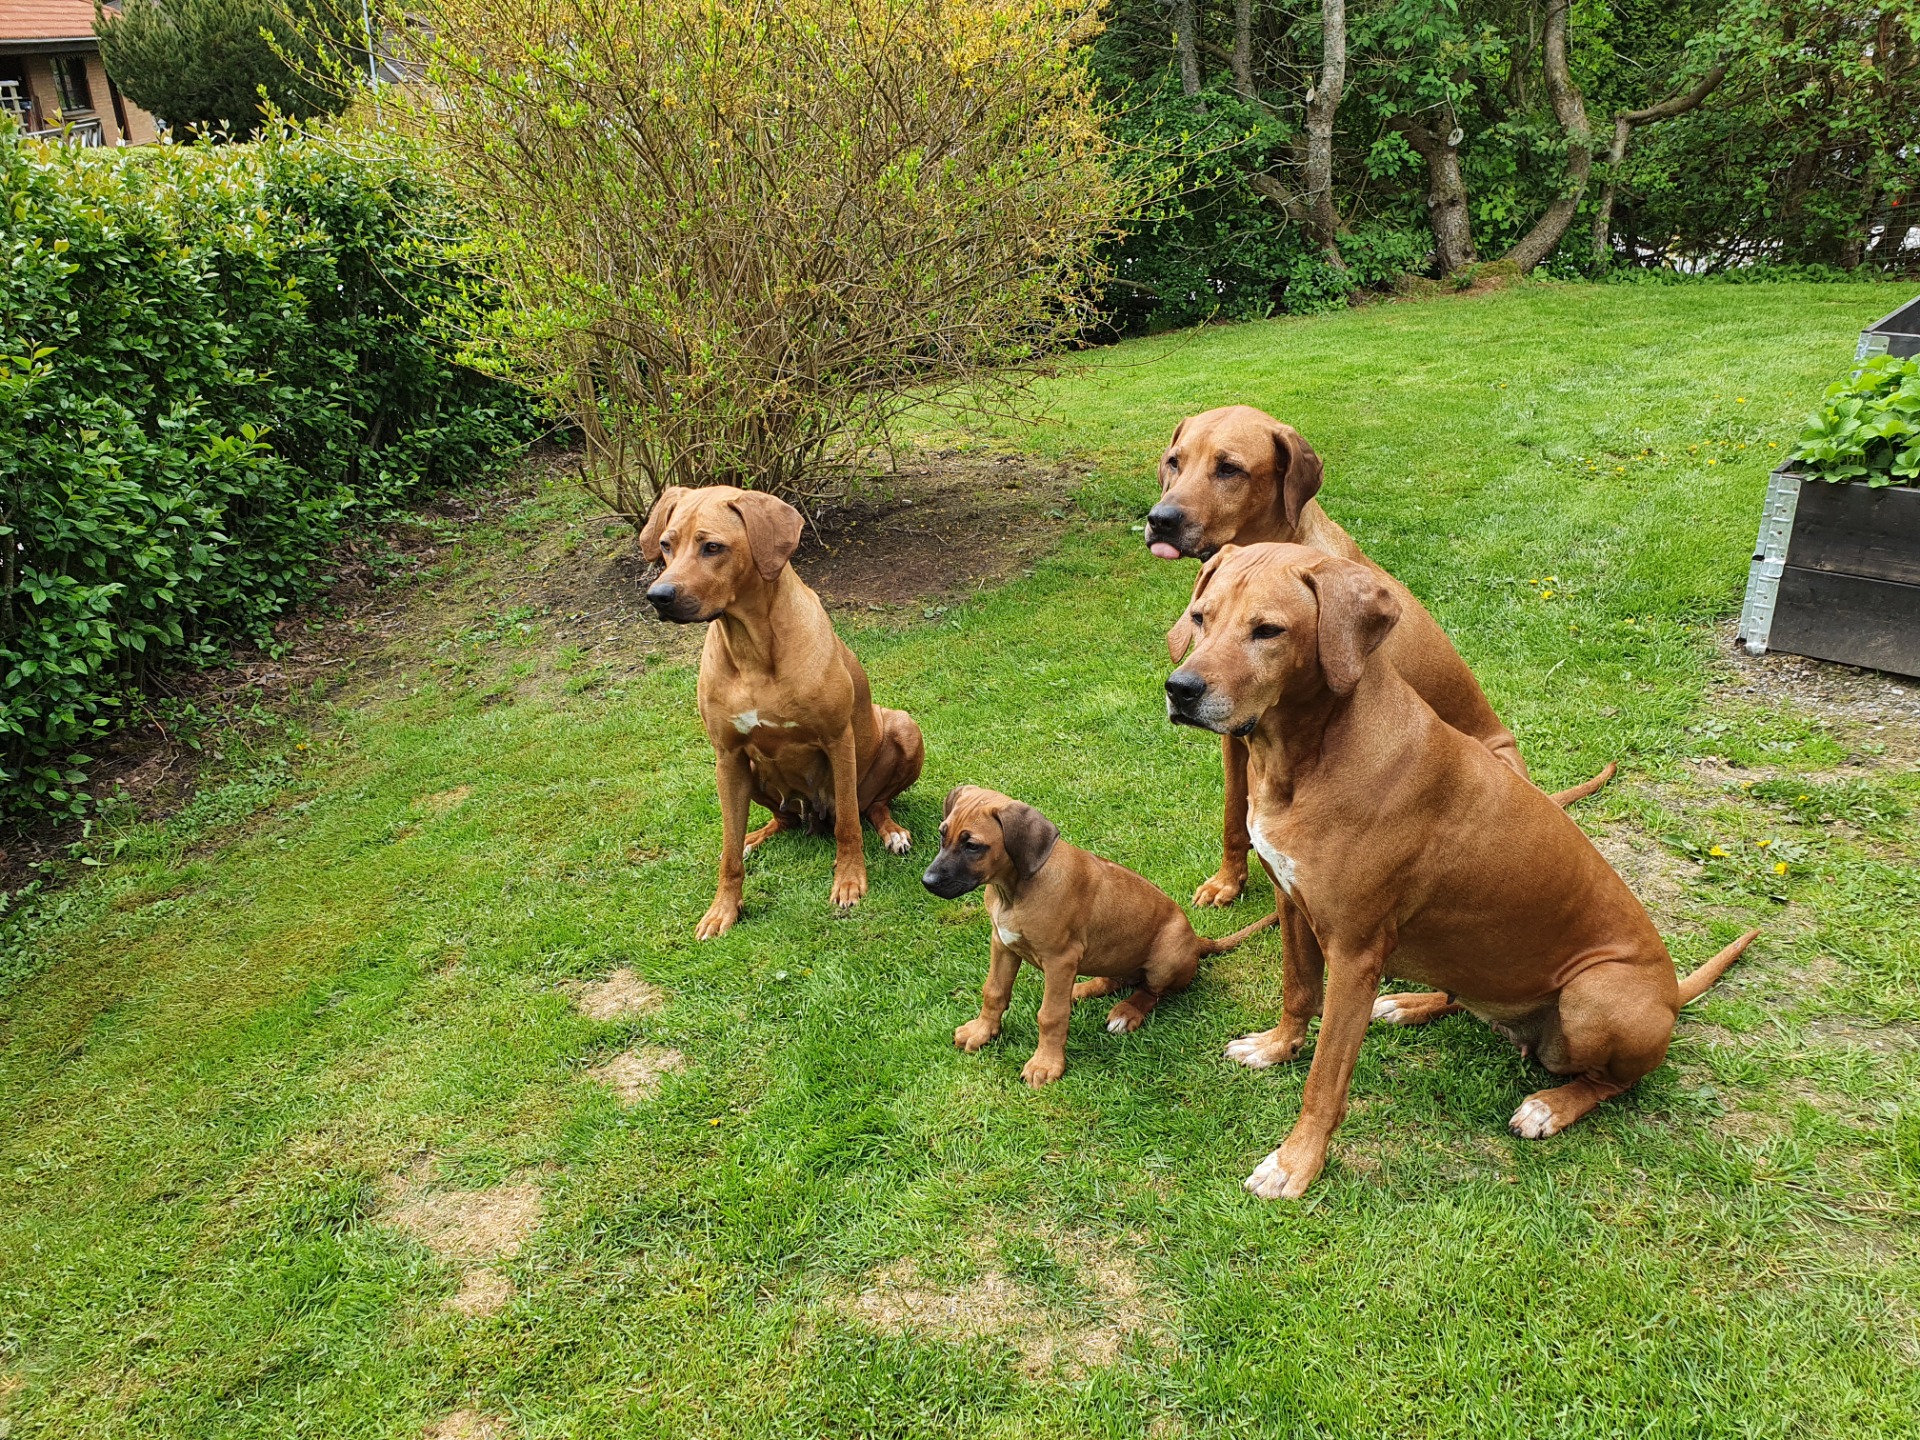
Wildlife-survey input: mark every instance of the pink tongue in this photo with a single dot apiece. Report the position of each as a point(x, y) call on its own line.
point(1163, 550)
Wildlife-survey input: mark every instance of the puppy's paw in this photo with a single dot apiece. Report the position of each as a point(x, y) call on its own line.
point(1123, 1019)
point(1278, 1179)
point(848, 890)
point(1043, 1070)
point(1222, 890)
point(719, 919)
point(1264, 1048)
point(1394, 1010)
point(899, 842)
point(974, 1034)
point(1534, 1120)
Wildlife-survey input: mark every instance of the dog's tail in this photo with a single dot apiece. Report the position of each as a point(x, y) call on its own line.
point(1585, 788)
point(1228, 942)
point(1695, 985)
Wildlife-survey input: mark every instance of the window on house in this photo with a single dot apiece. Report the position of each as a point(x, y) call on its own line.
point(70, 83)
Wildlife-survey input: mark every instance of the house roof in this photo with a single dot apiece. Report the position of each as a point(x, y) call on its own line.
point(46, 20)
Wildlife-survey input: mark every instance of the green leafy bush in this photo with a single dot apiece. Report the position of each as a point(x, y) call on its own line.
point(212, 361)
point(1868, 428)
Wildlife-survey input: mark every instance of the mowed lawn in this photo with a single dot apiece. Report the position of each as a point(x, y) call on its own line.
point(298, 1134)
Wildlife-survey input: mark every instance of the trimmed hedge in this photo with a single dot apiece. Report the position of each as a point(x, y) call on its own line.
point(214, 360)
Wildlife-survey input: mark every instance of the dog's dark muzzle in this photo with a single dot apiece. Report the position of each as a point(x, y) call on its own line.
point(673, 604)
point(949, 882)
point(1170, 525)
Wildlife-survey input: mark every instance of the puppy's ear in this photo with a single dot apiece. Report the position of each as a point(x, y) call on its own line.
point(1297, 473)
point(773, 530)
point(1180, 637)
point(1357, 609)
point(1028, 836)
point(658, 519)
point(953, 798)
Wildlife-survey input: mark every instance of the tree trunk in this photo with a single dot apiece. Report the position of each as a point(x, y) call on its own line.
point(1323, 104)
point(1446, 189)
point(1186, 43)
point(1624, 124)
point(1242, 61)
point(1571, 110)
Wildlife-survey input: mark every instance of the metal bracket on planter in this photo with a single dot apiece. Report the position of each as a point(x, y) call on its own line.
point(1769, 559)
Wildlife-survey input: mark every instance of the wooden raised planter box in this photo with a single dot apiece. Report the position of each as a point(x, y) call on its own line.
point(1836, 572)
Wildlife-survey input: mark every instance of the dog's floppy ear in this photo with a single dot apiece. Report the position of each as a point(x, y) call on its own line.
point(657, 520)
point(1180, 637)
point(1028, 836)
point(1357, 609)
point(773, 530)
point(1297, 473)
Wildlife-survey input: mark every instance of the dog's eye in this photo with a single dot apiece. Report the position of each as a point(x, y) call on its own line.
point(666, 547)
point(974, 847)
point(1227, 467)
point(713, 547)
point(1173, 462)
point(1199, 620)
point(1268, 632)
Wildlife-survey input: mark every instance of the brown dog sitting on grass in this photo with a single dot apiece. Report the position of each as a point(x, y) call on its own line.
point(1409, 851)
point(1237, 476)
point(1066, 912)
point(784, 701)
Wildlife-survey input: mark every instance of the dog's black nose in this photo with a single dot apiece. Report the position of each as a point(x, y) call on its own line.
point(1184, 687)
point(663, 595)
point(1166, 520)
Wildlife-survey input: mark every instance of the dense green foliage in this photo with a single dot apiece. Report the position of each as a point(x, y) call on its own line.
point(339, 984)
point(202, 64)
point(1797, 155)
point(211, 361)
point(1868, 428)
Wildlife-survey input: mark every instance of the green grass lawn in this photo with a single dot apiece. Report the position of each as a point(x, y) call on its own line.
point(237, 1051)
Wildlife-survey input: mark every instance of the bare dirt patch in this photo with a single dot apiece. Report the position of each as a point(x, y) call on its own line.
point(468, 1424)
point(634, 1075)
point(1049, 1333)
point(1877, 712)
point(490, 1224)
point(443, 803)
point(481, 1293)
point(621, 996)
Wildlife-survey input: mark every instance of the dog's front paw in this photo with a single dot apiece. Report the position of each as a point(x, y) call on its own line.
point(899, 842)
point(719, 919)
point(1279, 1178)
point(848, 889)
point(1222, 890)
point(1265, 1047)
point(1123, 1019)
point(1534, 1120)
point(974, 1034)
point(1043, 1070)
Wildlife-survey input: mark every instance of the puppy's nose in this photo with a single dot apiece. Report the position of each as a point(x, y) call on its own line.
point(930, 879)
point(1184, 687)
point(1165, 520)
point(663, 595)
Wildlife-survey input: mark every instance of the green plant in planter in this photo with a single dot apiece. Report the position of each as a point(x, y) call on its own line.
point(1868, 428)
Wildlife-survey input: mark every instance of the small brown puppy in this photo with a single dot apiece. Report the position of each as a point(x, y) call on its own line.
point(1066, 912)
point(784, 701)
point(1406, 850)
point(1237, 476)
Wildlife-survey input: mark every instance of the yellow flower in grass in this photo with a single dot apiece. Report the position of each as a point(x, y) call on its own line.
point(1717, 853)
point(1780, 867)
point(1763, 843)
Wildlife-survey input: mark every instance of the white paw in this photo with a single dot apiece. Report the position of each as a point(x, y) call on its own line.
point(1534, 1120)
point(1253, 1052)
point(1268, 1180)
point(1388, 1008)
point(1117, 1025)
point(899, 842)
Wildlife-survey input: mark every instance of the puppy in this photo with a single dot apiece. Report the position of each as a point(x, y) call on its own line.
point(1066, 912)
point(784, 701)
point(1407, 850)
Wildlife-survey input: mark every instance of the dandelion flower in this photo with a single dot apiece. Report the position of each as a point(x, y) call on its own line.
point(1739, 399)
point(1780, 867)
point(1717, 852)
point(1763, 843)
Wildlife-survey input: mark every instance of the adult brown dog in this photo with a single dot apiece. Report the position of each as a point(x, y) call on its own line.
point(1066, 912)
point(784, 701)
point(1408, 851)
point(1237, 476)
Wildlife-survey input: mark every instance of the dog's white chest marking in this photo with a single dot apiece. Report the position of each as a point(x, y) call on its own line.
point(1007, 937)
point(1280, 863)
point(746, 720)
